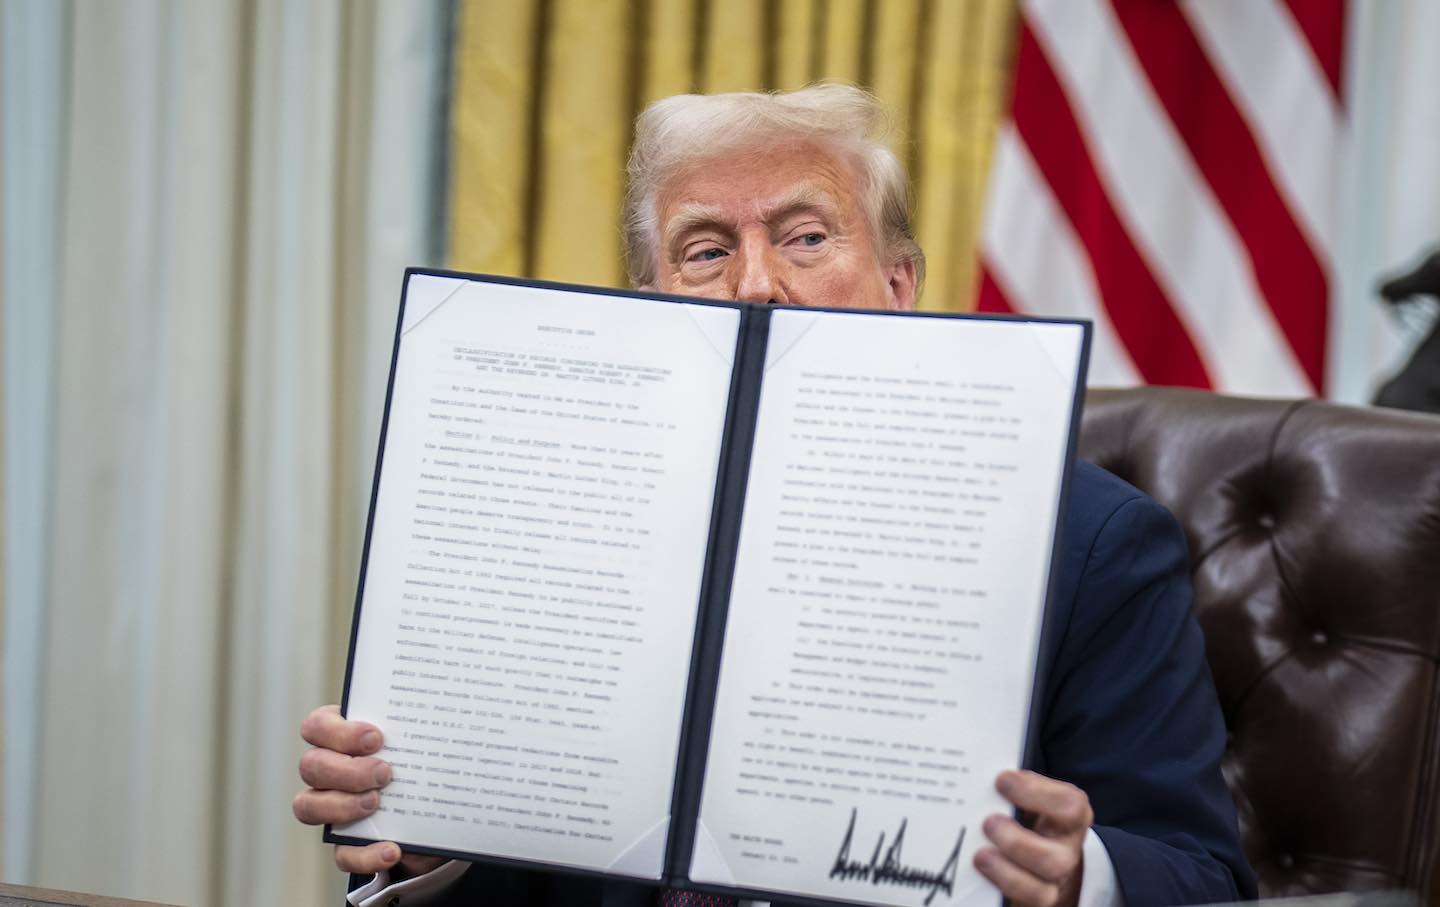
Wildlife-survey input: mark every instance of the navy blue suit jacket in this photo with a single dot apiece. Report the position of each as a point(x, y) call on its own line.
point(1128, 715)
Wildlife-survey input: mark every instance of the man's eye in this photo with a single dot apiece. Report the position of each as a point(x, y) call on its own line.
point(709, 254)
point(812, 239)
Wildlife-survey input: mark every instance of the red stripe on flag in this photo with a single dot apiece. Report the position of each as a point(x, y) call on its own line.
point(991, 298)
point(1143, 317)
point(1322, 22)
point(1289, 273)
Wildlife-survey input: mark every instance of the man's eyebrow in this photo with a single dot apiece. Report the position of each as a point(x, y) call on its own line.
point(800, 199)
point(693, 216)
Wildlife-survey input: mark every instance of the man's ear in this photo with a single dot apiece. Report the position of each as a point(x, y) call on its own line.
point(901, 286)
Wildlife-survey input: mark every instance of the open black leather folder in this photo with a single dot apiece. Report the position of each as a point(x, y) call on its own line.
point(737, 598)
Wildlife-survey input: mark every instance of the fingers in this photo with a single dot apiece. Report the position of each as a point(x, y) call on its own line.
point(1039, 868)
point(321, 807)
point(372, 858)
point(1061, 808)
point(1020, 887)
point(329, 770)
point(1050, 859)
point(326, 729)
point(367, 860)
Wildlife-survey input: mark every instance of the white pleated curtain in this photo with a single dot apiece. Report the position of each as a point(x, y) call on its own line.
point(209, 206)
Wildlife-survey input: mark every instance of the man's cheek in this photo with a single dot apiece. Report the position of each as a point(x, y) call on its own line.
point(842, 289)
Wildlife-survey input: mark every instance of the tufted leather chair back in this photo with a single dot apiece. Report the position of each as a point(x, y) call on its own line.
point(1314, 535)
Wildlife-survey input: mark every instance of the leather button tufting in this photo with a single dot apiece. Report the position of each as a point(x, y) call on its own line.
point(1315, 531)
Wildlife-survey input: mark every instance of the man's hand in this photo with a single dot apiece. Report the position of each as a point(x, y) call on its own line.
point(344, 783)
point(1040, 867)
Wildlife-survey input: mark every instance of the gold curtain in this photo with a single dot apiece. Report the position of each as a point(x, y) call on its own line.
point(546, 90)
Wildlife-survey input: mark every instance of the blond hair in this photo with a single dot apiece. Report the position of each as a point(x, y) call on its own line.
point(678, 130)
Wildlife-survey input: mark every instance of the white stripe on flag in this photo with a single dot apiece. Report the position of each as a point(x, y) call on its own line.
point(1167, 206)
point(1034, 255)
point(1279, 88)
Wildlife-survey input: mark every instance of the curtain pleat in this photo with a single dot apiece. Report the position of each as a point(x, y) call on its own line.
point(491, 136)
point(734, 37)
point(844, 35)
point(893, 63)
point(668, 55)
point(940, 132)
point(796, 58)
point(584, 129)
point(577, 73)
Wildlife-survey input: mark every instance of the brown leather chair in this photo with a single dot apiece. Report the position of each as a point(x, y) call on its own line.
point(1314, 535)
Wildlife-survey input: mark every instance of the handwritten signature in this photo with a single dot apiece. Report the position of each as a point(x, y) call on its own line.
point(885, 868)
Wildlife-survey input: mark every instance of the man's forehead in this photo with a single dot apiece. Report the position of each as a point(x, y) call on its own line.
point(760, 180)
point(743, 202)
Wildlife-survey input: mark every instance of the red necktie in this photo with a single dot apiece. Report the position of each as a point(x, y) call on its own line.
point(671, 897)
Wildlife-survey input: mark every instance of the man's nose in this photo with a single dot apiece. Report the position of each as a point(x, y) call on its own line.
point(759, 274)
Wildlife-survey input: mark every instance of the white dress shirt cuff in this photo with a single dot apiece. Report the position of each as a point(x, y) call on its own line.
point(416, 891)
point(1098, 887)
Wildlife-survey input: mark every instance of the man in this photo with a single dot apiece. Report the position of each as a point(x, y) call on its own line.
point(793, 199)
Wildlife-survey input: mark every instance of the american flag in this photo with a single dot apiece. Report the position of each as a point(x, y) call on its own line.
point(1168, 169)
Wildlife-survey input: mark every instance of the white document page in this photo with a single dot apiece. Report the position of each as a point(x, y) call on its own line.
point(534, 568)
point(888, 594)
